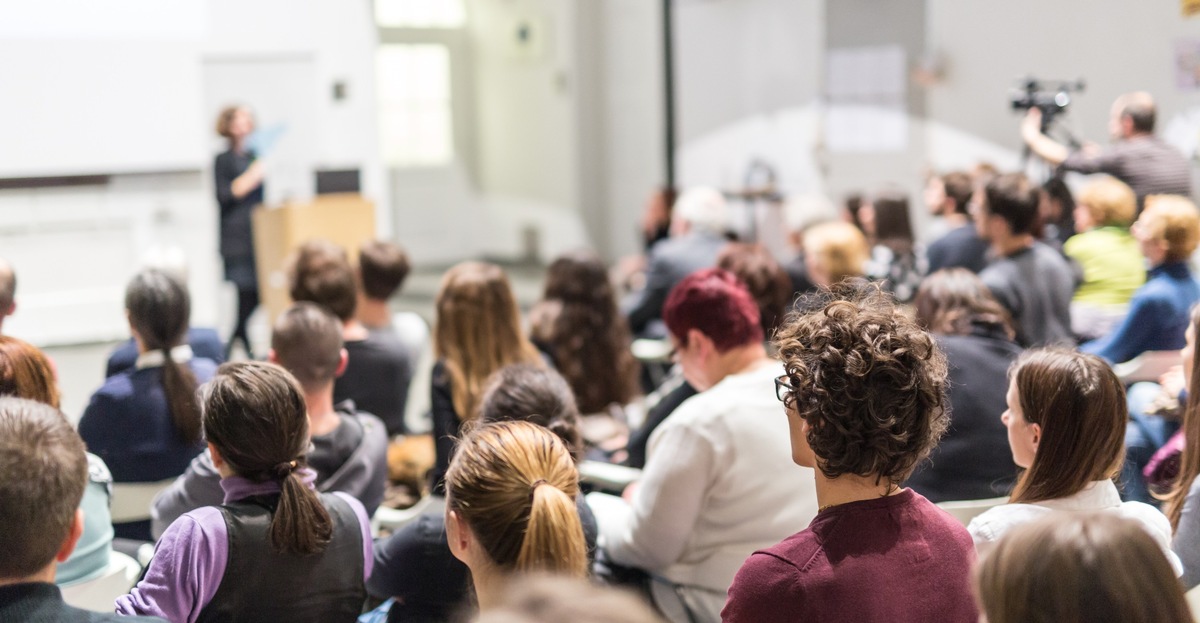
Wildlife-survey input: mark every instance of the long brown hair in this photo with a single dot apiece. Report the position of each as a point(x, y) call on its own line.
point(1079, 567)
point(159, 308)
point(1189, 462)
point(515, 484)
point(588, 339)
point(1080, 405)
point(478, 331)
point(25, 372)
point(537, 395)
point(256, 417)
point(951, 301)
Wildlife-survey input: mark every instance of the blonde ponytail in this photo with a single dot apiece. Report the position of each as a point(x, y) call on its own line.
point(515, 485)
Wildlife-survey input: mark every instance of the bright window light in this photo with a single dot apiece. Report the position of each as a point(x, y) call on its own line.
point(415, 115)
point(420, 13)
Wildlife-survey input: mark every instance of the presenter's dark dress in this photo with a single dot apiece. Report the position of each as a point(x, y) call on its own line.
point(237, 239)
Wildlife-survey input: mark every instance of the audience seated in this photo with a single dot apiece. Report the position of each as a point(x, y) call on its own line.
point(949, 196)
point(145, 422)
point(349, 447)
point(275, 550)
point(864, 396)
point(478, 331)
point(711, 492)
point(43, 475)
point(380, 367)
point(577, 324)
point(510, 507)
point(835, 251)
point(1108, 256)
point(1079, 567)
point(698, 223)
point(547, 599)
point(895, 259)
point(1168, 230)
point(26, 372)
point(1066, 421)
point(1182, 503)
point(414, 565)
point(1031, 280)
point(973, 460)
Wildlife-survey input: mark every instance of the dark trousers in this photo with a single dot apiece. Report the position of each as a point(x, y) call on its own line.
point(247, 303)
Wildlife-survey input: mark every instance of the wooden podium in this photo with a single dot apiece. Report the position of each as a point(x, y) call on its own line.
point(346, 219)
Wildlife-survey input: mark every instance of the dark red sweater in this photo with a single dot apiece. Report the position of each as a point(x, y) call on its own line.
point(897, 559)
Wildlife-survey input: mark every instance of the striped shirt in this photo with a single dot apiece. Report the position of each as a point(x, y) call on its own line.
point(1146, 163)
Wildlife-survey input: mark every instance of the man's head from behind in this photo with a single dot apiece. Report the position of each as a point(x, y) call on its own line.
point(43, 470)
point(1009, 208)
point(319, 271)
point(709, 314)
point(307, 341)
point(382, 267)
point(1132, 114)
point(700, 209)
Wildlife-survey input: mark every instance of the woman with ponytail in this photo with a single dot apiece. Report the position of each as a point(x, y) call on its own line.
point(145, 422)
point(510, 507)
point(276, 550)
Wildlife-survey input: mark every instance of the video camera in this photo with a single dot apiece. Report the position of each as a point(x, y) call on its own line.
point(1050, 96)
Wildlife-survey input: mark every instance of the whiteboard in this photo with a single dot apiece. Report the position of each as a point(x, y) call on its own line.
point(86, 90)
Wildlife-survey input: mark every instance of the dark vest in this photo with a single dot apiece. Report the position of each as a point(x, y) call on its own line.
point(261, 584)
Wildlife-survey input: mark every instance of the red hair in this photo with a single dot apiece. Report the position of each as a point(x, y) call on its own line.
point(716, 303)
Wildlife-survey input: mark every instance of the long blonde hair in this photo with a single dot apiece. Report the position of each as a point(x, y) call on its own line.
point(478, 331)
point(515, 485)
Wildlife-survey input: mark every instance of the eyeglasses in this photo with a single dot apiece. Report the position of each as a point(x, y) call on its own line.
point(783, 388)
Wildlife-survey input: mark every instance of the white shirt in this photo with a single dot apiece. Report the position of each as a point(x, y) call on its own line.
point(155, 359)
point(1098, 496)
point(719, 484)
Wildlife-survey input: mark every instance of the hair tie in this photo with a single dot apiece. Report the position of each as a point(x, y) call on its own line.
point(533, 488)
point(283, 470)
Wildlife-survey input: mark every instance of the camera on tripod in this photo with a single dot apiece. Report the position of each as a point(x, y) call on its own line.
point(1052, 97)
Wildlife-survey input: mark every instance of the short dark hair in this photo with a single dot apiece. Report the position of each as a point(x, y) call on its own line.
point(1012, 198)
point(307, 340)
point(383, 267)
point(43, 471)
point(869, 382)
point(319, 271)
point(717, 303)
point(959, 187)
point(953, 301)
point(523, 391)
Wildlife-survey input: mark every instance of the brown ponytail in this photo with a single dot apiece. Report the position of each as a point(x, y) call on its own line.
point(515, 484)
point(255, 415)
point(159, 308)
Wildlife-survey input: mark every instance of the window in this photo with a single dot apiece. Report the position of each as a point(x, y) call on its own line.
point(415, 115)
point(420, 13)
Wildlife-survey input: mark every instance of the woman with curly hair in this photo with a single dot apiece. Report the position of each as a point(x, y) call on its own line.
point(864, 395)
point(578, 325)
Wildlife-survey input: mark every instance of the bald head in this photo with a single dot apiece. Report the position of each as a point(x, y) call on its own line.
point(1134, 113)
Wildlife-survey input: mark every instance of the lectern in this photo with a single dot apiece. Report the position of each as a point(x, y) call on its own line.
point(346, 219)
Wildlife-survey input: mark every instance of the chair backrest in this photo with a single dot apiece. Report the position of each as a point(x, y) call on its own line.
point(99, 594)
point(966, 510)
point(131, 501)
point(608, 476)
point(1148, 366)
point(392, 519)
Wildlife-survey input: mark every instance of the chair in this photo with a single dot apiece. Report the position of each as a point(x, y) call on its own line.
point(392, 519)
point(966, 510)
point(99, 594)
point(131, 501)
point(607, 476)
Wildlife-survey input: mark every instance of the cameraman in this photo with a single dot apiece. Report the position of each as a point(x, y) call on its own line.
point(1137, 157)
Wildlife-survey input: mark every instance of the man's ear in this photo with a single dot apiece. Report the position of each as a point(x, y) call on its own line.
point(343, 361)
point(73, 534)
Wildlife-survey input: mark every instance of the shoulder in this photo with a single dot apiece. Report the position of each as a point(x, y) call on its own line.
point(993, 523)
point(1152, 518)
point(771, 578)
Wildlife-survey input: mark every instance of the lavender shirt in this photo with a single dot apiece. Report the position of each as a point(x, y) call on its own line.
point(190, 558)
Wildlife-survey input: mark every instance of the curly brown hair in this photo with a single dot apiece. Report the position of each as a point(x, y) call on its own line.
point(868, 381)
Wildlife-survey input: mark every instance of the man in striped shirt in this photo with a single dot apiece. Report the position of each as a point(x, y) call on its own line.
point(1136, 157)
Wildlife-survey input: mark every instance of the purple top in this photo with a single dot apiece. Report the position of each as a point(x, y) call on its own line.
point(190, 558)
